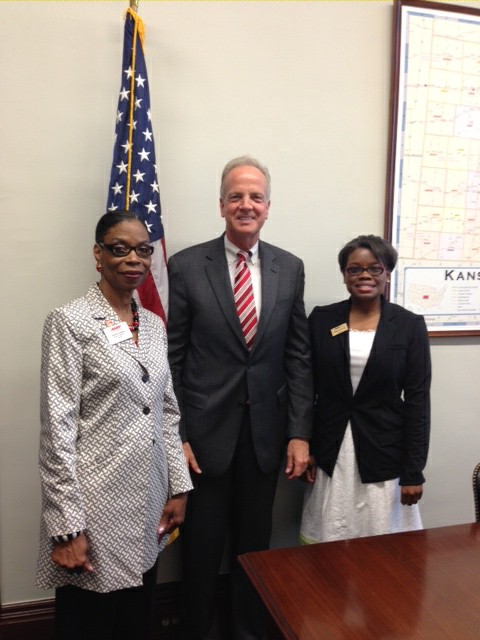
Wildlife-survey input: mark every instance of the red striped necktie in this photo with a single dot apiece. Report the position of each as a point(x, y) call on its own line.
point(244, 300)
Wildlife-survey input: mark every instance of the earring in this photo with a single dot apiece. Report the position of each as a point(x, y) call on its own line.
point(99, 267)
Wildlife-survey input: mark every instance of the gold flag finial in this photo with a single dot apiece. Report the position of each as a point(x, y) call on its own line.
point(134, 5)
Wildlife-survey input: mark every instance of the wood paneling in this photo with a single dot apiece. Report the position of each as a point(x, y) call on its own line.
point(34, 620)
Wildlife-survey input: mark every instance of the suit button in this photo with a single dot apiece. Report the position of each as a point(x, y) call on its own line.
point(145, 377)
point(146, 410)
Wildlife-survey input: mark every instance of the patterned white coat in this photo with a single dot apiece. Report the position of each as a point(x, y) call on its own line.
point(110, 453)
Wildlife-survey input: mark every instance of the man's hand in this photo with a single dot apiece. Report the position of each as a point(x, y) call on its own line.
point(297, 458)
point(73, 555)
point(190, 458)
point(173, 514)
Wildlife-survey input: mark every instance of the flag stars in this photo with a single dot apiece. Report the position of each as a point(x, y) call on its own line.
point(117, 188)
point(151, 207)
point(134, 181)
point(143, 155)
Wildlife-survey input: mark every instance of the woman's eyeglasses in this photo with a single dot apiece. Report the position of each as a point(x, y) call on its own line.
point(376, 270)
point(120, 250)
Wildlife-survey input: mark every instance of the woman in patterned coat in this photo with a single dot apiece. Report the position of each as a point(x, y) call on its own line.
point(114, 478)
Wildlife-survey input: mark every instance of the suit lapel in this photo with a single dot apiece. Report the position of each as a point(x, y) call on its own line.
point(102, 311)
point(342, 318)
point(216, 268)
point(385, 331)
point(142, 348)
point(383, 337)
point(270, 273)
point(341, 344)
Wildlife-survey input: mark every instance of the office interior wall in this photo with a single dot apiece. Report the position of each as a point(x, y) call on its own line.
point(304, 86)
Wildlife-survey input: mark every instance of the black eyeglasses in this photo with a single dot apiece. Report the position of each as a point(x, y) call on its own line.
point(120, 250)
point(376, 270)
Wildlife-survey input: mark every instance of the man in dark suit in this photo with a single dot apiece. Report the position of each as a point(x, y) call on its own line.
point(242, 398)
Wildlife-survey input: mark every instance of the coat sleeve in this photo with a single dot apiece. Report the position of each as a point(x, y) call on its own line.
point(298, 368)
point(179, 327)
point(61, 380)
point(416, 406)
point(178, 475)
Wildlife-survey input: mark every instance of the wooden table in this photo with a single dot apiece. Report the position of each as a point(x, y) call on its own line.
point(421, 584)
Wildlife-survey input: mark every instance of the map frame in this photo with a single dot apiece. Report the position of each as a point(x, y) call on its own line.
point(432, 214)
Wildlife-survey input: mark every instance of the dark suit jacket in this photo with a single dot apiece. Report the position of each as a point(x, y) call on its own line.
point(390, 411)
point(214, 374)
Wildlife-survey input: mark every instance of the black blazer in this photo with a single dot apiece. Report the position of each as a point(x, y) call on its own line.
point(215, 375)
point(390, 411)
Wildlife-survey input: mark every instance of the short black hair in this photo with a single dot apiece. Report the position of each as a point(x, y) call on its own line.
point(381, 249)
point(111, 219)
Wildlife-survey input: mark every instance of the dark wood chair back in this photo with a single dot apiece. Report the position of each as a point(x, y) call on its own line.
point(476, 491)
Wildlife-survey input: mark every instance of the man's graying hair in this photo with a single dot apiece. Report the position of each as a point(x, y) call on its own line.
point(244, 161)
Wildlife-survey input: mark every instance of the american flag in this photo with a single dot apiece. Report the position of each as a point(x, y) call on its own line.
point(133, 180)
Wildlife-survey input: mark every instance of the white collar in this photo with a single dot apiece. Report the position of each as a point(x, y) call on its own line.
point(233, 250)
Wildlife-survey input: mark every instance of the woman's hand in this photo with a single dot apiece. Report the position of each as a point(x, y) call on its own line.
point(311, 471)
point(411, 494)
point(73, 554)
point(173, 515)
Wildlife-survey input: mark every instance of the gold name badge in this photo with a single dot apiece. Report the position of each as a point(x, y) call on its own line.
point(340, 329)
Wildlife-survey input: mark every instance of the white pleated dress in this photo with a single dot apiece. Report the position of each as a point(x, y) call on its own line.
point(342, 507)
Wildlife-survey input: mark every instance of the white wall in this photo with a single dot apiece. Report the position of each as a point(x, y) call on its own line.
point(302, 85)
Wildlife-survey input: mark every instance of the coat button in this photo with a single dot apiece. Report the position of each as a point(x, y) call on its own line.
point(146, 410)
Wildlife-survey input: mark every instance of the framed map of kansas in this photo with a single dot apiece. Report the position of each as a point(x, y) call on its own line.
point(433, 185)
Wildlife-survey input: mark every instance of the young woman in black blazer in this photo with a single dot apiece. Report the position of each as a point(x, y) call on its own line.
point(372, 412)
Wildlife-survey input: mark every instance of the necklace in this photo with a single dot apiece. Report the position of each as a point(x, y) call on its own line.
point(136, 319)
